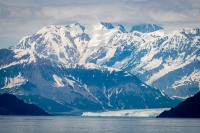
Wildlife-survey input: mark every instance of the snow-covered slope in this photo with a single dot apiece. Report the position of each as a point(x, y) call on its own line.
point(155, 57)
point(80, 87)
point(64, 44)
point(170, 62)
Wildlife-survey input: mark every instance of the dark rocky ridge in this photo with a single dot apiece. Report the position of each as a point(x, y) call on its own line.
point(190, 108)
point(11, 105)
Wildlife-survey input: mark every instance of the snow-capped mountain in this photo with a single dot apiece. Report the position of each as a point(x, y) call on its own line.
point(79, 87)
point(62, 60)
point(170, 62)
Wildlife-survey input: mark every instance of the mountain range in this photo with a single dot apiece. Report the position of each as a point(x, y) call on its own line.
point(102, 67)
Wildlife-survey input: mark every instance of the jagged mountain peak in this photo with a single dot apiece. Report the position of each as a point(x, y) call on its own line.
point(121, 28)
point(107, 25)
point(58, 33)
point(54, 42)
point(146, 28)
point(77, 25)
point(191, 32)
point(76, 28)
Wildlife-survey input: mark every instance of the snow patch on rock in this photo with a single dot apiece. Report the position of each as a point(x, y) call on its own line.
point(14, 81)
point(58, 81)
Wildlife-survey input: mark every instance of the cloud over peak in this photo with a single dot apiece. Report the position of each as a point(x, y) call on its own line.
point(27, 16)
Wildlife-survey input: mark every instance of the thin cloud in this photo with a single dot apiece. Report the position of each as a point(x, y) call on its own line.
point(25, 17)
point(168, 16)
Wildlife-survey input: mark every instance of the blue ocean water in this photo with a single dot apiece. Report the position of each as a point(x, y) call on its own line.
point(72, 124)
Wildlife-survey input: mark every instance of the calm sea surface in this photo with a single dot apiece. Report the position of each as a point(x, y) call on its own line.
point(66, 124)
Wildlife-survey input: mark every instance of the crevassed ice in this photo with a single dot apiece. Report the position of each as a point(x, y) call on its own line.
point(128, 113)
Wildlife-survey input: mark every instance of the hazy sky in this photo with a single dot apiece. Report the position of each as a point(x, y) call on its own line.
point(20, 18)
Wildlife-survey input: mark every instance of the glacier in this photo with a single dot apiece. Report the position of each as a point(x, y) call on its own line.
point(128, 113)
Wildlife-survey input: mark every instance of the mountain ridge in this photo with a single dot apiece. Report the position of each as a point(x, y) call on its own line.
point(11, 105)
point(190, 108)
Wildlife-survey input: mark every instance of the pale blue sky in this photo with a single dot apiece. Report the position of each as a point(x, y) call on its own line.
point(20, 18)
